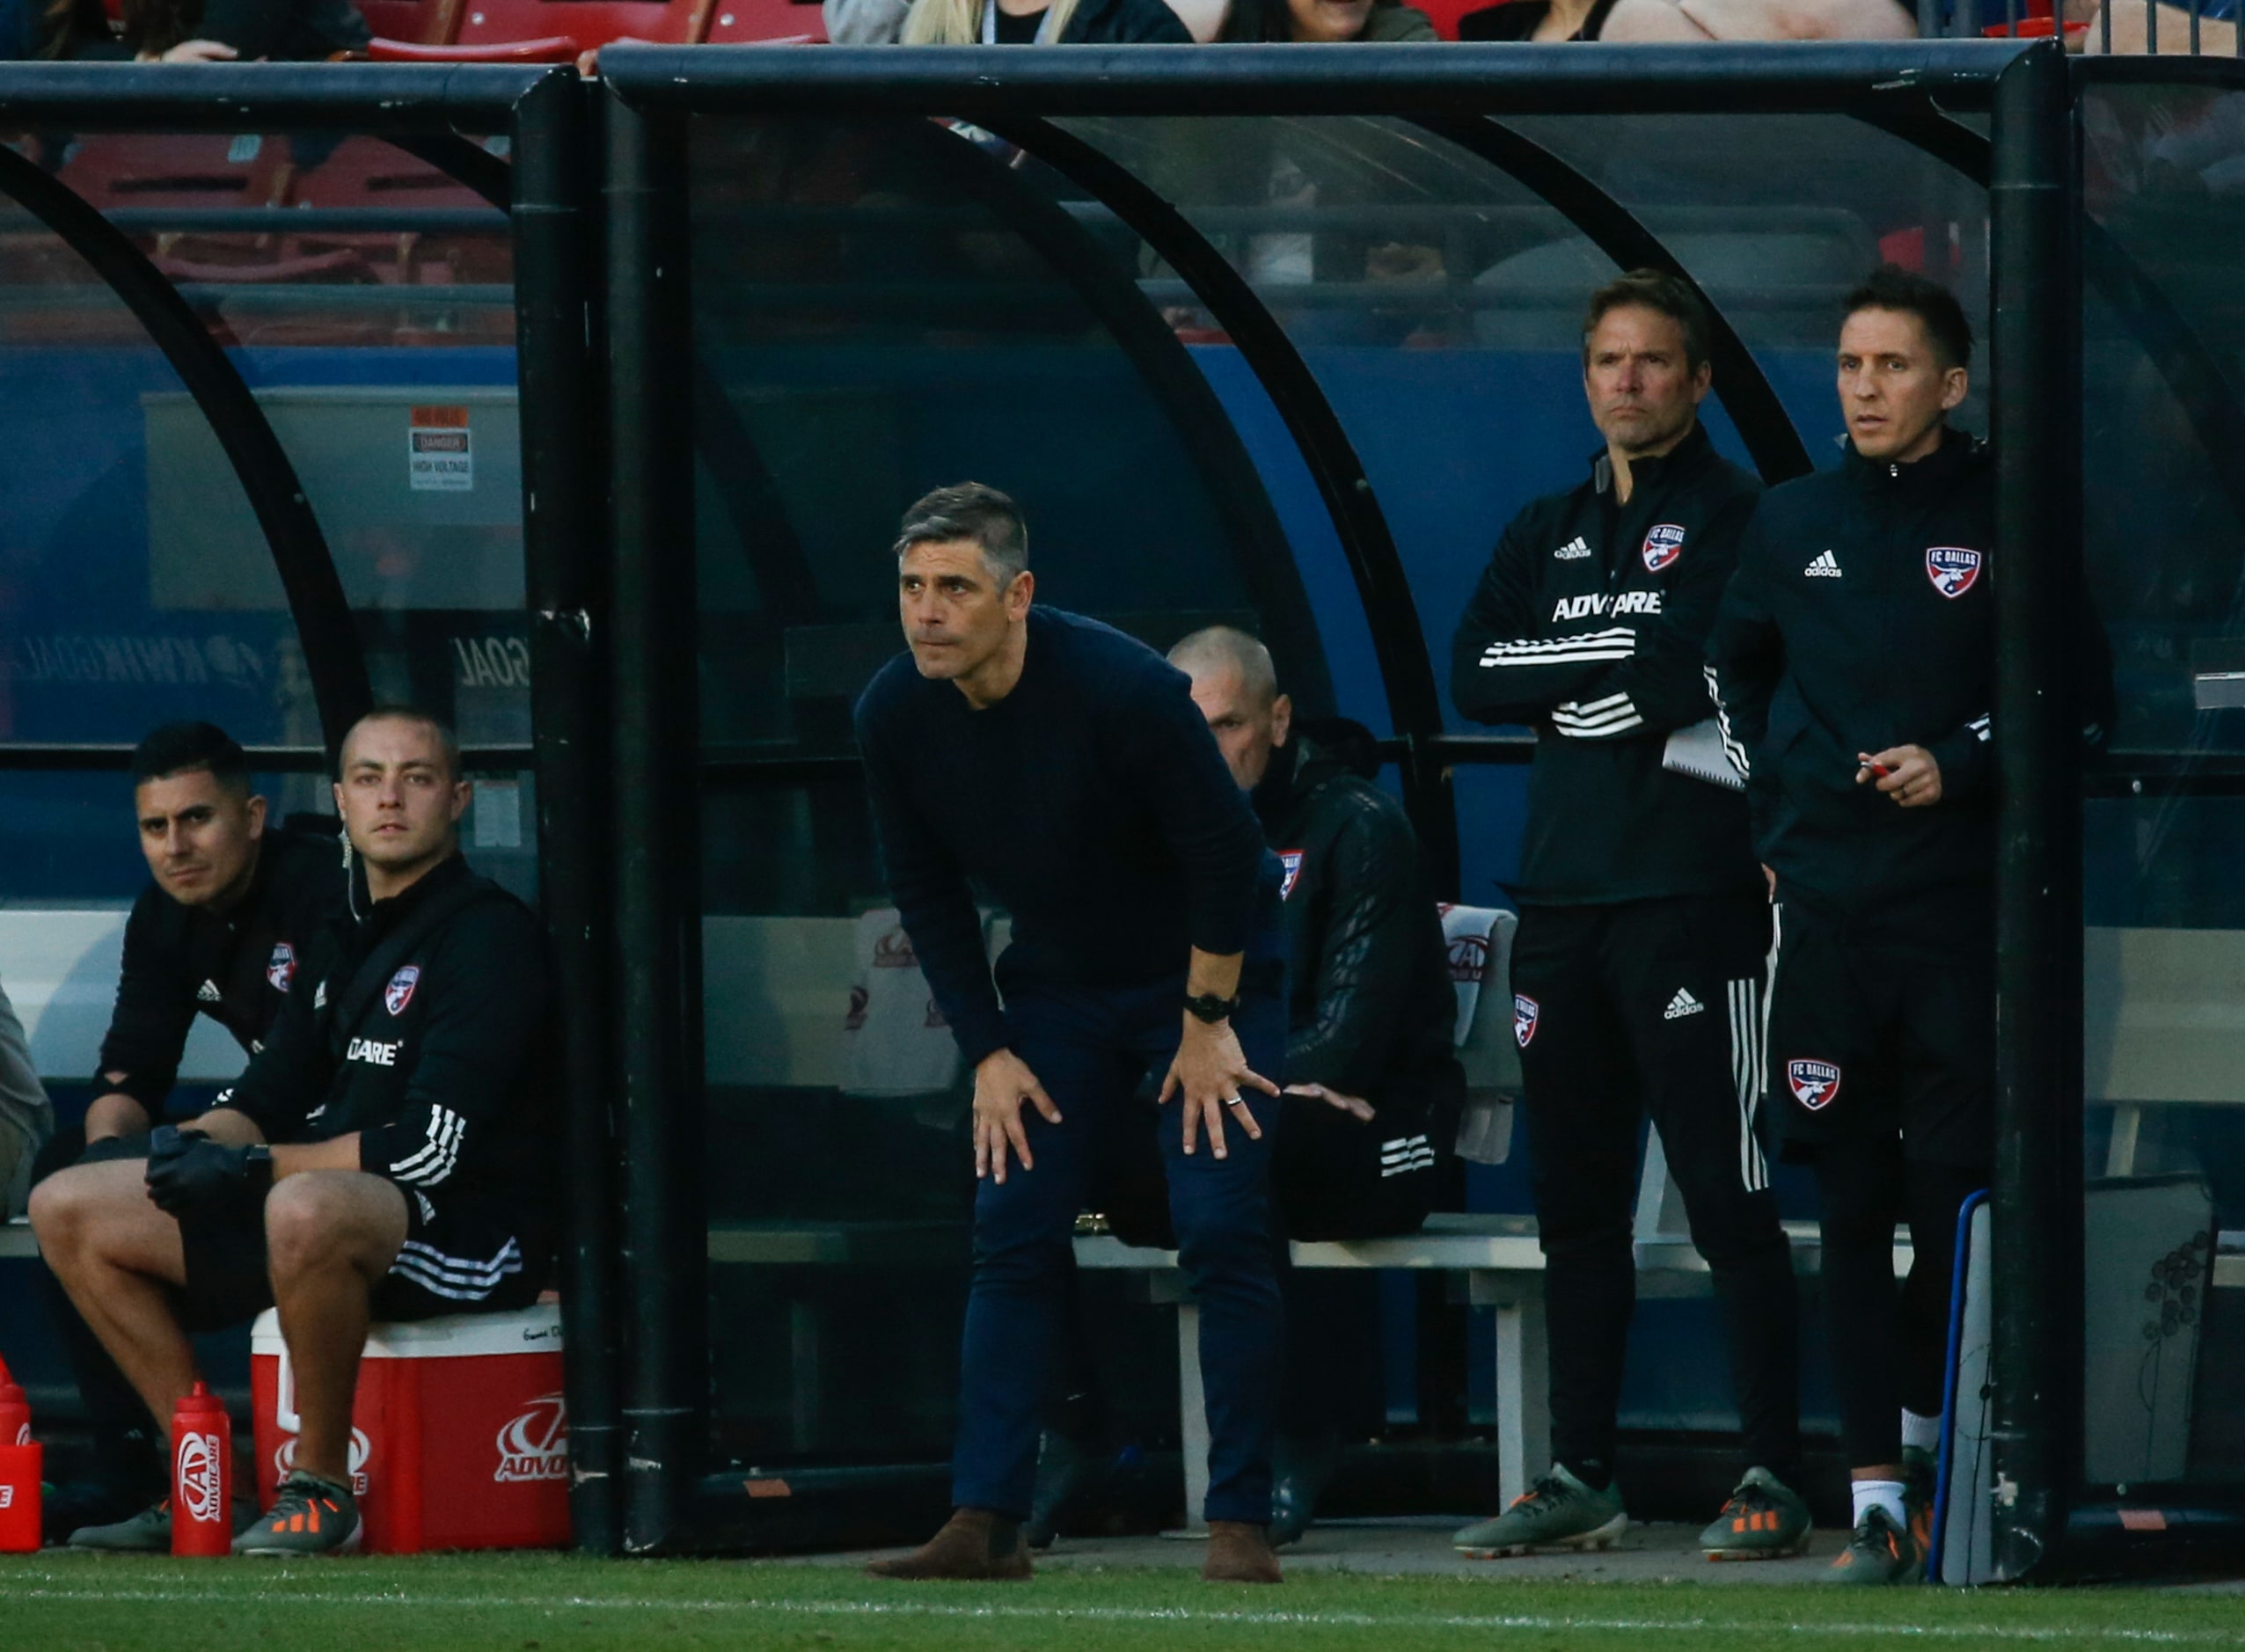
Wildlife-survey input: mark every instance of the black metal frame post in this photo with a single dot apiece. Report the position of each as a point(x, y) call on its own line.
point(2034, 412)
point(657, 818)
point(562, 547)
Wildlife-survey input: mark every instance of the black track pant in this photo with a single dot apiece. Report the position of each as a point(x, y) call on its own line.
point(1652, 1007)
point(1890, 1342)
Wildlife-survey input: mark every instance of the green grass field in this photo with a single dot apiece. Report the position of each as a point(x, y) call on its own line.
point(60, 1602)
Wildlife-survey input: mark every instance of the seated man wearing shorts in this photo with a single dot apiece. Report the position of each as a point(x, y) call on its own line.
point(388, 1155)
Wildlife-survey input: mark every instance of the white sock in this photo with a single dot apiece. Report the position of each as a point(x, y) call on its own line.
point(1922, 1432)
point(1879, 1494)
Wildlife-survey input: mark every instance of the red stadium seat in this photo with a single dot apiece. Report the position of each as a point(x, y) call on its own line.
point(415, 22)
point(551, 31)
point(766, 23)
point(553, 48)
point(1446, 13)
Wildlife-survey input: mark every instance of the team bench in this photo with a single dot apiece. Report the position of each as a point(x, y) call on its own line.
point(830, 1003)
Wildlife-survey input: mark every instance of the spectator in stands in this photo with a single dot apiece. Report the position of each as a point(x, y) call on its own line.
point(1373, 1085)
point(1323, 21)
point(1622, 21)
point(388, 1154)
point(27, 1120)
point(1003, 22)
point(2131, 24)
point(206, 30)
point(1063, 768)
point(232, 909)
point(1644, 922)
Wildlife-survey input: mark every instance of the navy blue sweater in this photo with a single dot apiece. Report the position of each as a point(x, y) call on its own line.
point(1091, 803)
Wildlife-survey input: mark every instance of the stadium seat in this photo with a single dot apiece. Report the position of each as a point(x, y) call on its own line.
point(766, 23)
point(1446, 13)
point(552, 31)
point(415, 22)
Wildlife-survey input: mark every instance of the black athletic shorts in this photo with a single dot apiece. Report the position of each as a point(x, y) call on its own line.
point(463, 1253)
point(1884, 1023)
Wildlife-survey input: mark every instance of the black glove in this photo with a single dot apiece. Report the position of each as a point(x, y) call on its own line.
point(187, 1171)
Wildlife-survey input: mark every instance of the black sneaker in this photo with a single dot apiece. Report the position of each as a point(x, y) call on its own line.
point(1300, 1469)
point(309, 1516)
point(1064, 1468)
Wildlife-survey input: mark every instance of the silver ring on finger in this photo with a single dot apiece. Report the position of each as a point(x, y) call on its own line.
point(1235, 1100)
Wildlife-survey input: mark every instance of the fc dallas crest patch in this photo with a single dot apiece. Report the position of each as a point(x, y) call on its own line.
point(1952, 568)
point(1524, 1011)
point(399, 992)
point(1662, 545)
point(282, 968)
point(1815, 1084)
point(1291, 861)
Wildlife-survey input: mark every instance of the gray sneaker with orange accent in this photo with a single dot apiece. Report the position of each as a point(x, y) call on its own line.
point(1558, 1512)
point(309, 1516)
point(1880, 1552)
point(1765, 1520)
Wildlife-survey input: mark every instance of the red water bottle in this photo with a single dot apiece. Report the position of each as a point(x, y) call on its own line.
point(15, 1411)
point(22, 1462)
point(202, 1476)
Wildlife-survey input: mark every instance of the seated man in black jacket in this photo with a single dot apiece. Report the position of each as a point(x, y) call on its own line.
point(384, 1155)
point(1372, 1081)
point(232, 906)
point(1373, 1084)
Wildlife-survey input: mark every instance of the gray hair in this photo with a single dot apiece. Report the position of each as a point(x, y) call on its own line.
point(970, 510)
point(1218, 647)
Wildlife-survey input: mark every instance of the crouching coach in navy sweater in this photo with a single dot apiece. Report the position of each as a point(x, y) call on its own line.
point(1065, 768)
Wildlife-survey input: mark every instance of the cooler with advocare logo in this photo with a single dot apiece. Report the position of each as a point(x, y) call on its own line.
point(459, 1439)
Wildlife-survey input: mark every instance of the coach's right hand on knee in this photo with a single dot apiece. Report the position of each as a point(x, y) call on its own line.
point(1003, 1081)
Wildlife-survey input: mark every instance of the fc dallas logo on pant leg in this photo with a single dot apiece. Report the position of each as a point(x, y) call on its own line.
point(1524, 1011)
point(1815, 1084)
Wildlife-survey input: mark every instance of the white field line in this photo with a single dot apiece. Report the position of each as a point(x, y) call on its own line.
point(1468, 1621)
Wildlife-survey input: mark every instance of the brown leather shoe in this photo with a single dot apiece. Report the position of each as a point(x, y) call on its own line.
point(1239, 1553)
point(975, 1546)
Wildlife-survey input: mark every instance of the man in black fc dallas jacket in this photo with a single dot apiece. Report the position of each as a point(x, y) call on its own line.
point(1854, 661)
point(232, 905)
point(387, 1154)
point(1637, 968)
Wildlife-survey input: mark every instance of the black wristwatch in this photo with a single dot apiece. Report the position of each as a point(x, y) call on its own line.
point(1209, 1008)
point(257, 1156)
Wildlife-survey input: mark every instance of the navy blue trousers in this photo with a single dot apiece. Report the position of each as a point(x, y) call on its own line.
point(1090, 1048)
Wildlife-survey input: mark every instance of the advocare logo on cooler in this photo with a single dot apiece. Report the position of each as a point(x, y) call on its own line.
point(199, 1478)
point(535, 1445)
